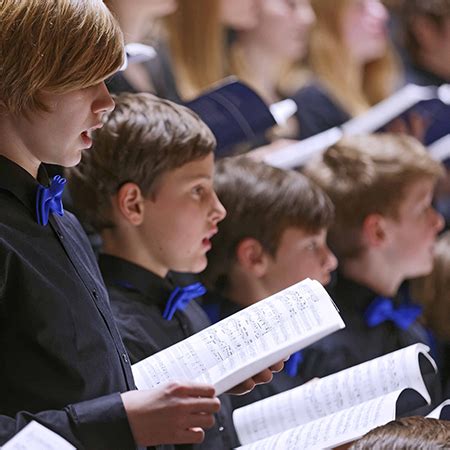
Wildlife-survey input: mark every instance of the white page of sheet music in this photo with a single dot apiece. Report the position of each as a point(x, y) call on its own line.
point(436, 413)
point(37, 437)
point(319, 398)
point(247, 342)
point(335, 429)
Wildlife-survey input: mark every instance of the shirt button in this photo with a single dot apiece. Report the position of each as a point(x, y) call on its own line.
point(125, 358)
point(60, 235)
point(94, 293)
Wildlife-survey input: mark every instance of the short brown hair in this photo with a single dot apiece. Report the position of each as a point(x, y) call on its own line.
point(410, 433)
point(143, 138)
point(432, 290)
point(365, 175)
point(54, 45)
point(261, 202)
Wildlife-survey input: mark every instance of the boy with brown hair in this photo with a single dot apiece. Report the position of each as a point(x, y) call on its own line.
point(409, 433)
point(385, 229)
point(63, 361)
point(147, 187)
point(274, 236)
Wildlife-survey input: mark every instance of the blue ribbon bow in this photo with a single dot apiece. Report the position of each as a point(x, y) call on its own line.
point(49, 199)
point(382, 309)
point(293, 363)
point(180, 298)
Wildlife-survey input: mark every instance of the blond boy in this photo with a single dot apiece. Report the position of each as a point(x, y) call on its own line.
point(63, 361)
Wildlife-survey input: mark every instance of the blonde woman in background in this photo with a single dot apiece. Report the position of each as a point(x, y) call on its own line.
point(263, 54)
point(352, 61)
point(198, 40)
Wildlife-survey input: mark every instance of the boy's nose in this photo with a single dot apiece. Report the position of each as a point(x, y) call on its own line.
point(218, 211)
point(103, 101)
point(438, 221)
point(331, 261)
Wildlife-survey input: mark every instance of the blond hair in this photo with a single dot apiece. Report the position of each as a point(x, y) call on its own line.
point(433, 290)
point(196, 39)
point(365, 175)
point(333, 65)
point(56, 46)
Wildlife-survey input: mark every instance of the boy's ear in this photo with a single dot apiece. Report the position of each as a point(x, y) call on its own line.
point(252, 257)
point(374, 230)
point(130, 203)
point(426, 32)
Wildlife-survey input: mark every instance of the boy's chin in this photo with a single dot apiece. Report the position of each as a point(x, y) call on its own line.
point(193, 266)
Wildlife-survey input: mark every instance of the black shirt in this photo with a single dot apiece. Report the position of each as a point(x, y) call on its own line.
point(138, 298)
point(357, 342)
point(159, 69)
point(317, 111)
point(60, 352)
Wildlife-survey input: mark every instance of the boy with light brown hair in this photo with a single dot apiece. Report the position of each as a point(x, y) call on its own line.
point(274, 235)
point(63, 361)
point(384, 233)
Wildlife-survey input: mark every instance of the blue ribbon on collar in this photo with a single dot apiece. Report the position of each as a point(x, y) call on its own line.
point(180, 298)
point(49, 199)
point(293, 363)
point(382, 309)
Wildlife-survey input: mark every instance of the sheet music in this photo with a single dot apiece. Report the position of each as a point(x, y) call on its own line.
point(301, 152)
point(37, 437)
point(388, 109)
point(247, 342)
point(335, 429)
point(388, 373)
point(436, 413)
point(440, 150)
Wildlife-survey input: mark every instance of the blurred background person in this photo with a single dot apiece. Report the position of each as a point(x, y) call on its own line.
point(353, 63)
point(426, 33)
point(433, 292)
point(140, 23)
point(198, 33)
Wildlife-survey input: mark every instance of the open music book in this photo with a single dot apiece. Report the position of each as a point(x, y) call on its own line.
point(242, 345)
point(35, 436)
point(431, 102)
point(235, 113)
point(340, 407)
point(441, 412)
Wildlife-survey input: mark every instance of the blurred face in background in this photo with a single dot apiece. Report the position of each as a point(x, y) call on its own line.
point(144, 8)
point(283, 27)
point(239, 14)
point(364, 29)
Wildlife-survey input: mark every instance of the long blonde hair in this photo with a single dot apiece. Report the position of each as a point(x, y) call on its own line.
point(196, 40)
point(332, 63)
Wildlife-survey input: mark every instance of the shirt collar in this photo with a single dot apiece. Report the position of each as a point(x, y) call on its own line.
point(350, 295)
point(119, 272)
point(20, 183)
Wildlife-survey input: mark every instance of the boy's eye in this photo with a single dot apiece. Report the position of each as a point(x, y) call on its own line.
point(198, 190)
point(312, 246)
